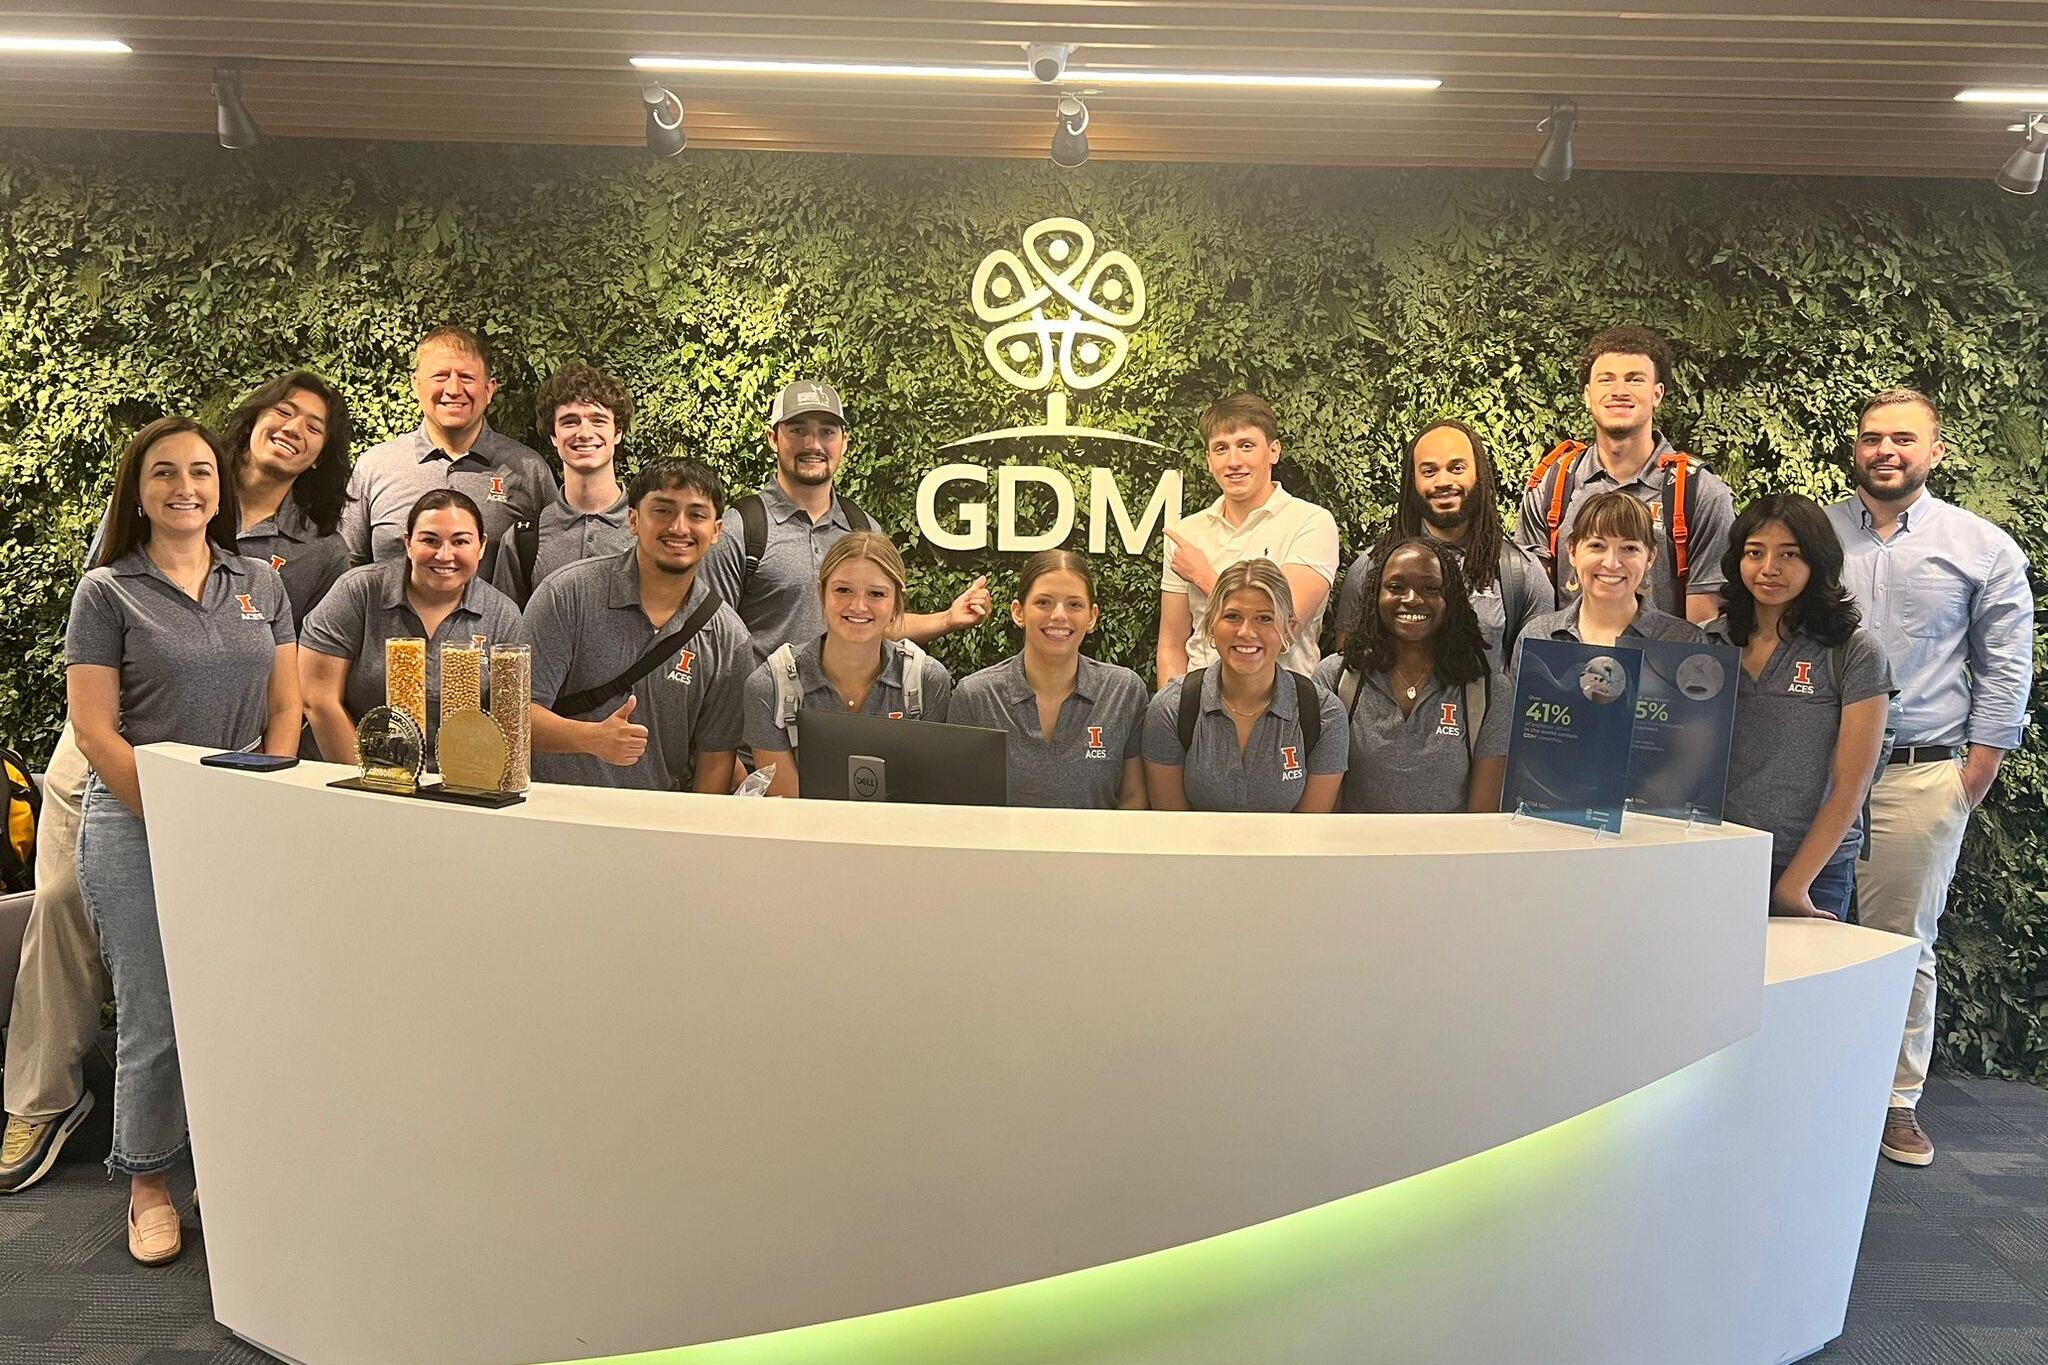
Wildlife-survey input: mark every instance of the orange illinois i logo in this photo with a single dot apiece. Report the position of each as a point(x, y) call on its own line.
point(1447, 720)
point(249, 612)
point(681, 672)
point(277, 561)
point(1802, 678)
point(497, 493)
point(1095, 747)
point(1290, 763)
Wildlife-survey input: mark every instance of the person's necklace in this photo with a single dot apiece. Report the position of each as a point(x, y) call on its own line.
point(1400, 681)
point(1252, 714)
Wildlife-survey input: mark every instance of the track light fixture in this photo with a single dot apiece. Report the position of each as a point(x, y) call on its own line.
point(1070, 133)
point(238, 131)
point(664, 120)
point(2021, 173)
point(1554, 161)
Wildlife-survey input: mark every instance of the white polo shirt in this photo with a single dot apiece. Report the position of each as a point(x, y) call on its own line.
point(1283, 529)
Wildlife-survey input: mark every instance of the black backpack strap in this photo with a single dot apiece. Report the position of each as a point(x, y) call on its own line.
point(1514, 594)
point(591, 698)
point(856, 520)
point(1308, 710)
point(1190, 710)
point(526, 543)
point(753, 532)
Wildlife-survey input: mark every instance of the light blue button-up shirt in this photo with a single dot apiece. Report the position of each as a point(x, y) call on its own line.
point(1948, 596)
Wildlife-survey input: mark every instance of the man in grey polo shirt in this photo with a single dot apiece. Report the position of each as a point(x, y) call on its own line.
point(1625, 371)
point(1946, 592)
point(594, 623)
point(584, 412)
point(454, 447)
point(801, 515)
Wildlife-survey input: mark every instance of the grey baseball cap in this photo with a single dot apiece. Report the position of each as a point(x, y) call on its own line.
point(805, 396)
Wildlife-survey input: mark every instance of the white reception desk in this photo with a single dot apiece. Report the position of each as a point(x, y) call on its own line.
point(617, 1072)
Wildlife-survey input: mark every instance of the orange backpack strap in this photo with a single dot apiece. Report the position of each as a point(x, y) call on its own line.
point(1680, 464)
point(1561, 458)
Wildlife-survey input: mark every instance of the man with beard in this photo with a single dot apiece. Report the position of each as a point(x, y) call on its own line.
point(1946, 592)
point(1449, 494)
point(638, 667)
point(766, 563)
point(1625, 371)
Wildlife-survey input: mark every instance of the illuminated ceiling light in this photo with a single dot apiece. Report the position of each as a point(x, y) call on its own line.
point(238, 131)
point(2035, 98)
point(1019, 74)
point(84, 47)
point(665, 137)
point(2021, 173)
point(1554, 162)
point(1070, 133)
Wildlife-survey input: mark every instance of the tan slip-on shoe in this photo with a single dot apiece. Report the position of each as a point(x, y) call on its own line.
point(154, 1238)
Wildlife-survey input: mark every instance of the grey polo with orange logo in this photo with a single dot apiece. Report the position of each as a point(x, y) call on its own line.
point(508, 482)
point(1100, 726)
point(1273, 770)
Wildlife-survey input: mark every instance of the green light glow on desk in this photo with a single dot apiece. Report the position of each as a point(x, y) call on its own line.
point(1148, 1307)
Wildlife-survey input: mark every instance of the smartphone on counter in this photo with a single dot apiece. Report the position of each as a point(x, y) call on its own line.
point(250, 763)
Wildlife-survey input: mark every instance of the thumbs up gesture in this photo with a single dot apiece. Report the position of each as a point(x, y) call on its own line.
point(616, 739)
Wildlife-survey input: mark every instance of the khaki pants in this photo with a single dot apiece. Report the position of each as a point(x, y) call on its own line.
point(58, 991)
point(1918, 812)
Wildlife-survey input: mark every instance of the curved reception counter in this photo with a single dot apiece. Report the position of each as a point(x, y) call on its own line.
point(724, 1081)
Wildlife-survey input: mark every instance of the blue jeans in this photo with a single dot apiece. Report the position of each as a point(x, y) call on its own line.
point(114, 878)
point(1832, 886)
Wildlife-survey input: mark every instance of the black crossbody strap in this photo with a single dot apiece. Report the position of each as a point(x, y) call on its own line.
point(590, 698)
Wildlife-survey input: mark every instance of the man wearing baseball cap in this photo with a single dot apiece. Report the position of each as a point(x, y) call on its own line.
point(766, 562)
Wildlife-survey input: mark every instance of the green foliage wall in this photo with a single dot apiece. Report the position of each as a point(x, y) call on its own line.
point(139, 276)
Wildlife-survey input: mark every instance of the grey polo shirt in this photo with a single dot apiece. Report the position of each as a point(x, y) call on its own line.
point(779, 600)
point(1100, 726)
point(368, 606)
point(191, 672)
point(308, 562)
point(1271, 773)
point(1781, 761)
point(885, 698)
point(1709, 515)
point(565, 535)
point(586, 626)
point(1531, 590)
point(508, 482)
point(1417, 763)
point(1563, 624)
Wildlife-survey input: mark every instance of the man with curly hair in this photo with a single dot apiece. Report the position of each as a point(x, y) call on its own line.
point(585, 413)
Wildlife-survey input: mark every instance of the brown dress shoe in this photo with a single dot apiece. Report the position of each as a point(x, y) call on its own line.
point(1903, 1141)
point(154, 1237)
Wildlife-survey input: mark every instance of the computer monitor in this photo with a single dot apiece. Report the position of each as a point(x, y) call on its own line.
point(847, 757)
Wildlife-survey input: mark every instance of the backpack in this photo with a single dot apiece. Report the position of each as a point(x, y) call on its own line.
point(1307, 709)
point(789, 689)
point(754, 528)
point(1475, 704)
point(526, 544)
point(23, 808)
point(1678, 495)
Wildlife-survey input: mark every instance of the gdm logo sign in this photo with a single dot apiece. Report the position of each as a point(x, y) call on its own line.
point(1058, 319)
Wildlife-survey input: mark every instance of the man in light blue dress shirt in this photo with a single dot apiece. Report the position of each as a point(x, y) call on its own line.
point(1946, 591)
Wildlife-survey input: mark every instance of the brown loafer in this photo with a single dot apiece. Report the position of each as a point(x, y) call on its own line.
point(154, 1237)
point(1903, 1140)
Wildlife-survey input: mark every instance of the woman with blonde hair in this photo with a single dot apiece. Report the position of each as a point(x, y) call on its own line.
point(856, 665)
point(1245, 733)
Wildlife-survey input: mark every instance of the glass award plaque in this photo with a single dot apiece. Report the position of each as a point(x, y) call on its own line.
point(390, 751)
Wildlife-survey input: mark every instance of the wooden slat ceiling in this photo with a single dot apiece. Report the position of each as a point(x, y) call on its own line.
point(1814, 86)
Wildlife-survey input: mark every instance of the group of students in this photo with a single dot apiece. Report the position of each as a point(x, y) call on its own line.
point(677, 637)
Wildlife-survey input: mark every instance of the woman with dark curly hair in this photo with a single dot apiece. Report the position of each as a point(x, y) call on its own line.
point(1428, 713)
point(1811, 701)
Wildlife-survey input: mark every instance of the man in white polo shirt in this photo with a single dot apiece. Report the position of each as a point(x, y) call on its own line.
point(1255, 518)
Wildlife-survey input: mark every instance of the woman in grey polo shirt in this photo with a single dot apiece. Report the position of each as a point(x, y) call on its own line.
point(1428, 712)
point(1810, 703)
point(1076, 725)
point(1613, 540)
point(172, 637)
point(855, 665)
point(1245, 741)
point(432, 594)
